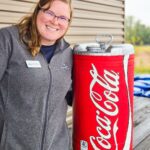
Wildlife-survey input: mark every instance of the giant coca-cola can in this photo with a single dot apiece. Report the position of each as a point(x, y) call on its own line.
point(103, 96)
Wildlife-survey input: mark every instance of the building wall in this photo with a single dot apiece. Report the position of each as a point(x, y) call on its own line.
point(91, 17)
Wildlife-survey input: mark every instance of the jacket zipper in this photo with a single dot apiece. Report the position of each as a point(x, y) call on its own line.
point(45, 121)
point(46, 108)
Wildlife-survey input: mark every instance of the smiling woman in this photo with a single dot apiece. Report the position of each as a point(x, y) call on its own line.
point(50, 26)
point(46, 27)
point(34, 84)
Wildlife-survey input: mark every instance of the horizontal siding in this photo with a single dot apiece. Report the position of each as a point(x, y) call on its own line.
point(89, 38)
point(116, 3)
point(105, 21)
point(93, 31)
point(90, 18)
point(9, 17)
point(95, 7)
point(86, 14)
point(16, 6)
point(69, 117)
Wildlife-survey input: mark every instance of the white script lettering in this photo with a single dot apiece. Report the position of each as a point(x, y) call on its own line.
point(110, 83)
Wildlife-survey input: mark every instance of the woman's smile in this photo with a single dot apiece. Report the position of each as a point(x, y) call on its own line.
point(50, 28)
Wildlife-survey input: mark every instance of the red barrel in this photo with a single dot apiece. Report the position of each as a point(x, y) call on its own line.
point(103, 97)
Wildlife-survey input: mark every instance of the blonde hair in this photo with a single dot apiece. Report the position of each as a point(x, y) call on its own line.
point(28, 32)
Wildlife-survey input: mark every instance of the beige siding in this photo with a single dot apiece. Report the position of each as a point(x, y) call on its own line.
point(90, 18)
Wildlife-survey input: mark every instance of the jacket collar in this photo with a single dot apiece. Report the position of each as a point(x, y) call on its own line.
point(61, 45)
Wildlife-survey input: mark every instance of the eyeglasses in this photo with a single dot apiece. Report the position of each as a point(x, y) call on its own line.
point(51, 15)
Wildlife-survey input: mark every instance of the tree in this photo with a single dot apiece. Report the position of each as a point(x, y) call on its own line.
point(136, 32)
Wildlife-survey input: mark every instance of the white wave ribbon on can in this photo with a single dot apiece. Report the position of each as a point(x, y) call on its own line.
point(128, 136)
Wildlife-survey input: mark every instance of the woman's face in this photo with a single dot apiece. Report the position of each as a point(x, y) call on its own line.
point(53, 23)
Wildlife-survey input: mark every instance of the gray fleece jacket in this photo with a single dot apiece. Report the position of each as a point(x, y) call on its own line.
point(32, 95)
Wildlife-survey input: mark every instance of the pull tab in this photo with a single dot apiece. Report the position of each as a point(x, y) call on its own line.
point(104, 45)
point(101, 47)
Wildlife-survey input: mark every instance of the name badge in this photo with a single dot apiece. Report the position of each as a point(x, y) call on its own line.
point(33, 64)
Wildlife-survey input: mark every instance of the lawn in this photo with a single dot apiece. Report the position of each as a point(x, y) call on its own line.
point(142, 59)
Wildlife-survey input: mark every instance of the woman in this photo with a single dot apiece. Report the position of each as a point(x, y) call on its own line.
point(35, 78)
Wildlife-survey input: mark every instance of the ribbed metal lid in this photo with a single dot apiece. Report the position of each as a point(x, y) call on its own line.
point(120, 49)
point(103, 48)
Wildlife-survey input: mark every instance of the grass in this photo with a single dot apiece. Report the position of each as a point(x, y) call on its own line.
point(140, 49)
point(142, 59)
point(142, 70)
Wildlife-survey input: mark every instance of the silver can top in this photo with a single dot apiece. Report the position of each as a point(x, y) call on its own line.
point(103, 48)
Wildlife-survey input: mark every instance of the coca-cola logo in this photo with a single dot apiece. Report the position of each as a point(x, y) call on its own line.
point(110, 83)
